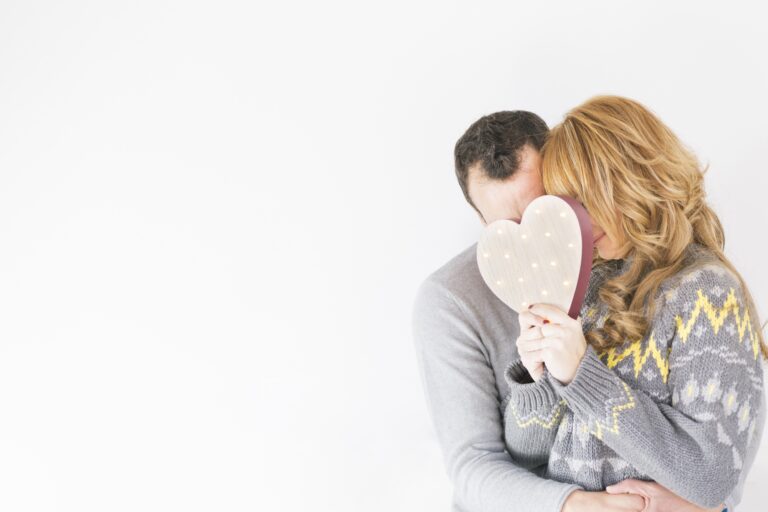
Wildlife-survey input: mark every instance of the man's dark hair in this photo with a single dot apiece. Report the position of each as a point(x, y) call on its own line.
point(495, 141)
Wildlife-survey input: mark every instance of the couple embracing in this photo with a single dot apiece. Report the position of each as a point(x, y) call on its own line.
point(652, 399)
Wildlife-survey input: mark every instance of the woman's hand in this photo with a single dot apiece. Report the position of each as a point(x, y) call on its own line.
point(554, 339)
point(585, 501)
point(660, 499)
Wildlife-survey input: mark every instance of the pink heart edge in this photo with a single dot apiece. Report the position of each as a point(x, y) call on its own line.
point(587, 250)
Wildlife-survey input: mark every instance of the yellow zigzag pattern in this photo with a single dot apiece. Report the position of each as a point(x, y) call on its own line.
point(640, 357)
point(717, 317)
point(615, 410)
point(555, 414)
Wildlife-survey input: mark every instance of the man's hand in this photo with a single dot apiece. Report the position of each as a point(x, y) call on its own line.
point(660, 499)
point(585, 501)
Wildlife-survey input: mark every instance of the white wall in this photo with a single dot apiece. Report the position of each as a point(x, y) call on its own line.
point(214, 216)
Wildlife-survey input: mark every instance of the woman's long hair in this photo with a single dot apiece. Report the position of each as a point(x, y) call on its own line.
point(646, 190)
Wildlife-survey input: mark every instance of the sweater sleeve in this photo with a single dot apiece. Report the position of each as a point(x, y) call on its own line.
point(696, 446)
point(464, 404)
point(532, 413)
point(733, 500)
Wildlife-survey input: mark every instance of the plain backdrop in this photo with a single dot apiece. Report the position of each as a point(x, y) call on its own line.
point(214, 217)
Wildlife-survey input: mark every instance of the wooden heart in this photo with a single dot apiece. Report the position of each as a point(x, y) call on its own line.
point(546, 258)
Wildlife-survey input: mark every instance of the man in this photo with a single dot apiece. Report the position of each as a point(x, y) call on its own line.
point(465, 337)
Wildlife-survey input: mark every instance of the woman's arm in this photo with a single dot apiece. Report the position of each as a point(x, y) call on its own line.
point(463, 401)
point(532, 413)
point(532, 408)
point(696, 446)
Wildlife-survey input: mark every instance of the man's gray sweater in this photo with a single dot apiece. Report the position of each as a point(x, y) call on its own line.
point(465, 340)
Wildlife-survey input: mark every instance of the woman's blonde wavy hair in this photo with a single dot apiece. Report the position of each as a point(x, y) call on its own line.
point(646, 190)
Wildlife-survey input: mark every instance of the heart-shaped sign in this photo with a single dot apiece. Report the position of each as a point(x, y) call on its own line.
point(546, 258)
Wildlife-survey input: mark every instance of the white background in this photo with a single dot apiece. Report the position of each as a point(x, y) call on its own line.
point(214, 217)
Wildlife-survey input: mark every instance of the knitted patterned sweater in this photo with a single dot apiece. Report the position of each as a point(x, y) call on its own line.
point(679, 406)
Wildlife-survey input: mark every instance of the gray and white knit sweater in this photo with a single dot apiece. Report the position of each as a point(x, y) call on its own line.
point(679, 407)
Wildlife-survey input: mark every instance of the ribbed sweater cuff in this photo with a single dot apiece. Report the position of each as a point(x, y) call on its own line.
point(525, 394)
point(593, 385)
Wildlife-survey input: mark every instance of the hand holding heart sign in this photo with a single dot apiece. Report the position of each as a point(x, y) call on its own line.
point(540, 268)
point(549, 337)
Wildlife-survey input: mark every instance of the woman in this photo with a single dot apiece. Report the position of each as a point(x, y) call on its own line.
point(667, 383)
